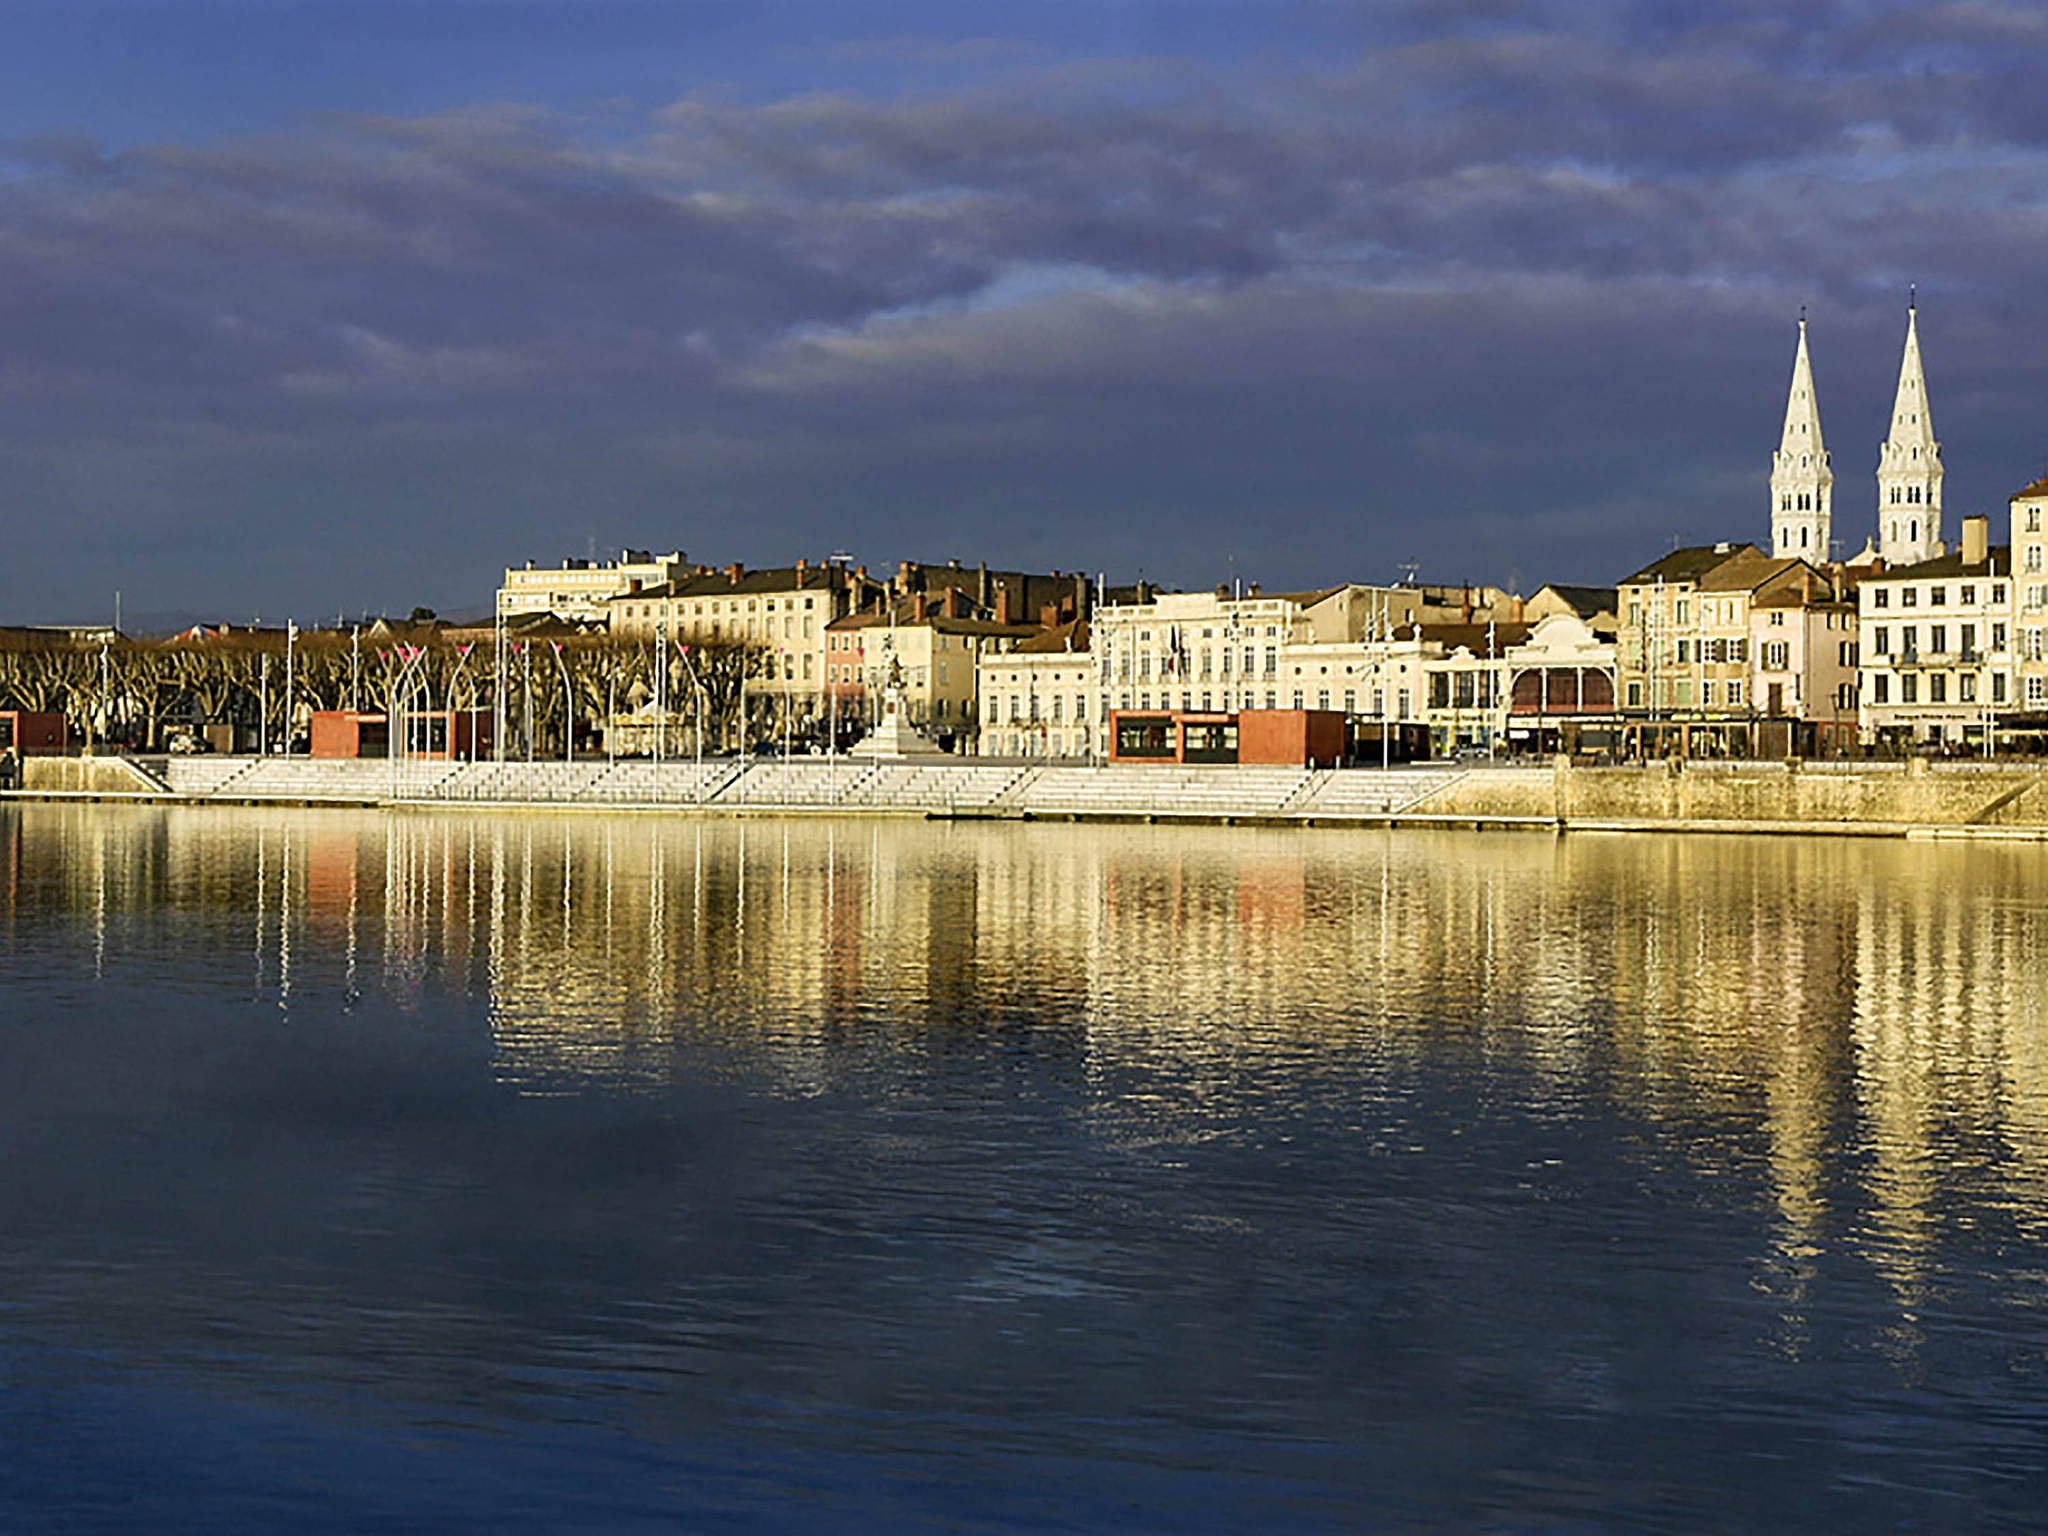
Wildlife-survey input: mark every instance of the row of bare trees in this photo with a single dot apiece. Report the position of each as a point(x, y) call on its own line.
point(138, 692)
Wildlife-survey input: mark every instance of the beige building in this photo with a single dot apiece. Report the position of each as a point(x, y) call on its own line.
point(584, 589)
point(1692, 678)
point(2029, 512)
point(782, 613)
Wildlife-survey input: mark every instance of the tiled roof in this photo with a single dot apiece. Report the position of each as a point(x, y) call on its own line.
point(1690, 564)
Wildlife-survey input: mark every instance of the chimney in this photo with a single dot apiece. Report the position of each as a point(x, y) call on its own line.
point(921, 609)
point(1004, 612)
point(734, 572)
point(1515, 609)
point(1465, 606)
point(1976, 540)
point(1049, 616)
point(952, 602)
point(802, 565)
point(981, 586)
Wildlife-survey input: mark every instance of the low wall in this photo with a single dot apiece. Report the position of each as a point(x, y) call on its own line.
point(1837, 796)
point(86, 776)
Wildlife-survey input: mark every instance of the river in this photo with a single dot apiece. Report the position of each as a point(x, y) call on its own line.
point(410, 1171)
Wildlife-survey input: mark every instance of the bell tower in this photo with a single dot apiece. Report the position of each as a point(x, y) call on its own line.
point(1802, 479)
point(1909, 464)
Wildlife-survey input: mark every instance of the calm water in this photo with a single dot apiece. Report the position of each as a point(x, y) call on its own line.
point(403, 1173)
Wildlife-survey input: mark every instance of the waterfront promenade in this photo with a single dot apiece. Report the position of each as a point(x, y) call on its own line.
point(1899, 799)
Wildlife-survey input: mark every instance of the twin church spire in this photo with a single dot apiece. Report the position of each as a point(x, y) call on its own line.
point(1909, 469)
point(1802, 479)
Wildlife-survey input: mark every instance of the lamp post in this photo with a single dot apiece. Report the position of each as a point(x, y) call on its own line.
point(291, 640)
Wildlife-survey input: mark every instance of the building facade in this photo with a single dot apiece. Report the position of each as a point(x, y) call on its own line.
point(1936, 647)
point(584, 589)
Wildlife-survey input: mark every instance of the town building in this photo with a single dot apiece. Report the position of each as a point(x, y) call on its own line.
point(1561, 686)
point(2027, 724)
point(584, 589)
point(1935, 644)
point(1692, 680)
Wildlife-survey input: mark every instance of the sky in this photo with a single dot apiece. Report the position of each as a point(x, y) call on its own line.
point(324, 307)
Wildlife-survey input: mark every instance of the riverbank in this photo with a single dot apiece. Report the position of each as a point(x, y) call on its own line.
point(1911, 799)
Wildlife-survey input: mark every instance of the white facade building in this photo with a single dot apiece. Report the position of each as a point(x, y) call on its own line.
point(584, 589)
point(1935, 642)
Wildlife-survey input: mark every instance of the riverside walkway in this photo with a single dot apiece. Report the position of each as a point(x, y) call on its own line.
point(843, 786)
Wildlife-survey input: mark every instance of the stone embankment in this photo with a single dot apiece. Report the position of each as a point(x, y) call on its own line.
point(1916, 798)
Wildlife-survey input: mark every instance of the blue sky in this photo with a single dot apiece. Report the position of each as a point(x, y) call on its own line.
point(326, 307)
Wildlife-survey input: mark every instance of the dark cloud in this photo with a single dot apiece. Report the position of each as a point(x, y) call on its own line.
point(1511, 291)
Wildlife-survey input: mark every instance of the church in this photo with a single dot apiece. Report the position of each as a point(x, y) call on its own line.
point(1909, 471)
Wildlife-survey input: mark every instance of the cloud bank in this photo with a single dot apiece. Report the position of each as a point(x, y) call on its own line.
point(1508, 295)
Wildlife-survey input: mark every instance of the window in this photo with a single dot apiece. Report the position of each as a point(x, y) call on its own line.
point(1968, 595)
point(1937, 688)
point(1734, 695)
point(1936, 596)
point(1966, 687)
point(1707, 693)
point(1998, 637)
point(1998, 592)
point(1635, 695)
point(1776, 656)
point(2037, 689)
point(1881, 641)
point(1908, 596)
point(2033, 558)
point(1880, 597)
point(1969, 639)
point(2033, 519)
point(1998, 687)
point(1880, 688)
point(1937, 638)
point(1909, 689)
point(1684, 652)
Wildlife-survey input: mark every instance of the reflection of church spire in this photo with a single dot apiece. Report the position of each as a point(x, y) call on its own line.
point(1909, 465)
point(1802, 481)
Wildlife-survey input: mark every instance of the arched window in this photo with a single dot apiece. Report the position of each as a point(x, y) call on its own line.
point(1802, 538)
point(1915, 526)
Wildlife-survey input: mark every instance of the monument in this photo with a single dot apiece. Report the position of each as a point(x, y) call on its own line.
point(894, 735)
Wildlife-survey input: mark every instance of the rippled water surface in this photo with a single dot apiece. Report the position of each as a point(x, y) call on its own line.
point(372, 1172)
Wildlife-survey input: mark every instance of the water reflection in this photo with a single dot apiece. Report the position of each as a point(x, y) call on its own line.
point(1819, 1066)
point(1828, 993)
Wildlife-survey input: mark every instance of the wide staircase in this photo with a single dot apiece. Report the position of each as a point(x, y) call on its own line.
point(807, 785)
point(1164, 789)
point(350, 780)
point(203, 776)
point(941, 787)
point(1371, 792)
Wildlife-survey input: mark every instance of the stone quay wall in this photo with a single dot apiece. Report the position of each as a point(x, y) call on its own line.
point(1918, 797)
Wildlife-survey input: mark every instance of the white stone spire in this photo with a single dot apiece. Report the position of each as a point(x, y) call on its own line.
point(1802, 480)
point(1909, 465)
